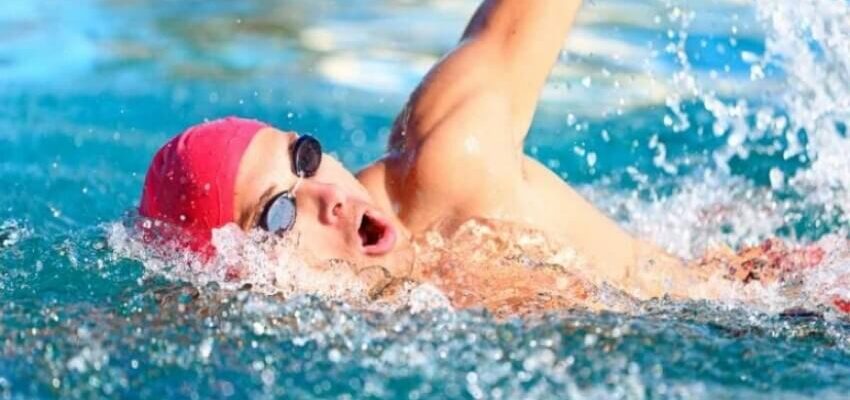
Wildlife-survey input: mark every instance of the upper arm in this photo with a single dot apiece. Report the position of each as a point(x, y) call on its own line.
point(460, 136)
point(524, 38)
point(506, 52)
point(463, 164)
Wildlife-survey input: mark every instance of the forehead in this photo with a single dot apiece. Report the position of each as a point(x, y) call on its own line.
point(266, 163)
point(273, 137)
point(269, 146)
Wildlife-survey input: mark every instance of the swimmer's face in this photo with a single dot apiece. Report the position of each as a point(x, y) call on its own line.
point(335, 216)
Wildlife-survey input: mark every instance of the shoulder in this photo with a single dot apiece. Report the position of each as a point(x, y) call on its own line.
point(379, 185)
point(463, 166)
point(462, 155)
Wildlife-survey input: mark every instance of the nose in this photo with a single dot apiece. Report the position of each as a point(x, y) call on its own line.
point(330, 201)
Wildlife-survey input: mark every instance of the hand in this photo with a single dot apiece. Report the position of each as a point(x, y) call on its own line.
point(768, 262)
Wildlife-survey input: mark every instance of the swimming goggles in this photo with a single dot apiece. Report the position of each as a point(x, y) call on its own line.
point(279, 212)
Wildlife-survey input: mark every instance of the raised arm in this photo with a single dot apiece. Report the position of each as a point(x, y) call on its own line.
point(503, 59)
point(524, 38)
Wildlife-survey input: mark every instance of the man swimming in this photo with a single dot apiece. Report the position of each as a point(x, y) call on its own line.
point(455, 155)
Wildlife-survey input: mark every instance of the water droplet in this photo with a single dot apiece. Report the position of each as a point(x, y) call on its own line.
point(756, 72)
point(205, 348)
point(334, 356)
point(591, 159)
point(777, 178)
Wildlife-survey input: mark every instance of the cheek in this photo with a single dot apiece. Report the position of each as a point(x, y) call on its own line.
point(323, 242)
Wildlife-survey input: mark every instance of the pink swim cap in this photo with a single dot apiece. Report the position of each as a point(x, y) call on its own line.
point(190, 182)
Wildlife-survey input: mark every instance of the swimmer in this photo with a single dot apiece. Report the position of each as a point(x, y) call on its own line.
point(455, 155)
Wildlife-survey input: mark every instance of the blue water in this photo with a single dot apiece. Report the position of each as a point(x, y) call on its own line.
point(90, 89)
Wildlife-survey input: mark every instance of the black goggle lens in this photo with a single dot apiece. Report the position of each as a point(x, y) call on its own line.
point(279, 215)
point(306, 156)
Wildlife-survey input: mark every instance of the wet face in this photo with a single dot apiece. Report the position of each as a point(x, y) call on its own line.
point(335, 217)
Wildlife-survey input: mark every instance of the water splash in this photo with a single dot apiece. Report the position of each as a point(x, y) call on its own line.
point(707, 211)
point(809, 42)
point(806, 68)
point(271, 266)
point(12, 232)
point(802, 114)
point(241, 260)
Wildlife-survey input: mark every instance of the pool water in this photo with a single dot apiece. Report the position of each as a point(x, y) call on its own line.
point(694, 125)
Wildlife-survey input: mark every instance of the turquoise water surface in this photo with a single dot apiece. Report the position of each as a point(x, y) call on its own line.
point(720, 122)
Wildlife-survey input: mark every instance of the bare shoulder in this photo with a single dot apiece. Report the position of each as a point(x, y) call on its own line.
point(379, 184)
point(465, 157)
point(467, 142)
point(463, 166)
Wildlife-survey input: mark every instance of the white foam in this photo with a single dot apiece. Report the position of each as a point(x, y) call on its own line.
point(707, 211)
point(12, 232)
point(268, 265)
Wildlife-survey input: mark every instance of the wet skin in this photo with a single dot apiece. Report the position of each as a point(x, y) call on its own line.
point(455, 154)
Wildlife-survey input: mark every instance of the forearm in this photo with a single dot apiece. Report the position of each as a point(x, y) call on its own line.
point(657, 273)
point(534, 26)
point(527, 36)
point(766, 263)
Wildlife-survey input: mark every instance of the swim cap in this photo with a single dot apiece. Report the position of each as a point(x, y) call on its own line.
point(190, 182)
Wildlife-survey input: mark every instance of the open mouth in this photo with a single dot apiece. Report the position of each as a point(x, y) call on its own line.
point(376, 235)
